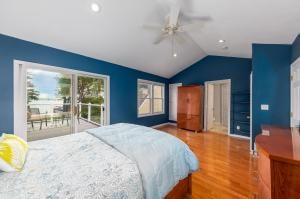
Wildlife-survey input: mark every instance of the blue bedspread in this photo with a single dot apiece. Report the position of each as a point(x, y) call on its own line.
point(162, 159)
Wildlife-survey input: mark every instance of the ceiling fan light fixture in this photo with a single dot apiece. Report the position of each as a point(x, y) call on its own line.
point(221, 41)
point(95, 7)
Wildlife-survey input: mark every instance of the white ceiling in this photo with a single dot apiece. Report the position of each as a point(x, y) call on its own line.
point(116, 34)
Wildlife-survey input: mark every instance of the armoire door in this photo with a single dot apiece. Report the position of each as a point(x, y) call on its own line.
point(181, 107)
point(193, 101)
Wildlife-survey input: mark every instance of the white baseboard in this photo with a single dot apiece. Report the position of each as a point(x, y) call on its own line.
point(164, 124)
point(239, 136)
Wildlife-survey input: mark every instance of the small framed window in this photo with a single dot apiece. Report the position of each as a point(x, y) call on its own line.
point(151, 98)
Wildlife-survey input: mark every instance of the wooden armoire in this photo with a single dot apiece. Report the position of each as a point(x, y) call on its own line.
point(190, 107)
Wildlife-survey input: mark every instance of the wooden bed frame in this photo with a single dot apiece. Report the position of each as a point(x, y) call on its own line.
point(182, 190)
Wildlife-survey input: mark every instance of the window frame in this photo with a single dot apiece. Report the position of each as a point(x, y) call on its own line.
point(152, 84)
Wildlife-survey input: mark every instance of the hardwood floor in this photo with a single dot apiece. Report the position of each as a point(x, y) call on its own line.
point(227, 170)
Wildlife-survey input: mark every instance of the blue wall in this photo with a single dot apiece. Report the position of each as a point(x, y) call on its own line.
point(296, 49)
point(123, 81)
point(271, 85)
point(217, 68)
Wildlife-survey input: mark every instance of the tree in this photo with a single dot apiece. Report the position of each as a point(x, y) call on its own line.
point(32, 93)
point(64, 86)
point(89, 89)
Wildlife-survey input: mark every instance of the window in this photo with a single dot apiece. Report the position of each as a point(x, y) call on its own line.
point(151, 98)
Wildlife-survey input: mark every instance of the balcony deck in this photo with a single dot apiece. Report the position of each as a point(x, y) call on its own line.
point(54, 129)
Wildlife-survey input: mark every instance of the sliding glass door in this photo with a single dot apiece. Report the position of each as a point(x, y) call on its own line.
point(49, 97)
point(58, 101)
point(90, 102)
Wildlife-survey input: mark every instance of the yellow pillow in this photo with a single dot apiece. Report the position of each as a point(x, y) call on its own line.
point(13, 151)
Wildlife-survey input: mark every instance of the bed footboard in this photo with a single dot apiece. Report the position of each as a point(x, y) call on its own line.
point(182, 190)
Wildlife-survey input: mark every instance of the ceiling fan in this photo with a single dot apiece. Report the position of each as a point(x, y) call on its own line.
point(175, 26)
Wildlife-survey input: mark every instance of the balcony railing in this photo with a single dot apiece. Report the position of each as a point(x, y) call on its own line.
point(89, 116)
point(93, 113)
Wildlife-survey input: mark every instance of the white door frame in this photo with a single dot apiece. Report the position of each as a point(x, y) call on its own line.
point(20, 93)
point(225, 81)
point(170, 100)
point(295, 65)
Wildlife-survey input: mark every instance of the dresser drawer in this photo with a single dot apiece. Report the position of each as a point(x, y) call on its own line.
point(263, 191)
point(190, 122)
point(181, 120)
point(264, 169)
point(193, 123)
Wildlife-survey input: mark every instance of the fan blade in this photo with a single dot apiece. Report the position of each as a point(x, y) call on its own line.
point(190, 18)
point(160, 38)
point(190, 26)
point(152, 27)
point(174, 14)
point(193, 23)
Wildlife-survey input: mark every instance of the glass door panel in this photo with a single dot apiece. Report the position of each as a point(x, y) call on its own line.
point(48, 104)
point(90, 102)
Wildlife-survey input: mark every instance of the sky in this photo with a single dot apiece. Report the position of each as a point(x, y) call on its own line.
point(45, 82)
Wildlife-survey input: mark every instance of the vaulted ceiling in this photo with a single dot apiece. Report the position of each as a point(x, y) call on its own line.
point(116, 35)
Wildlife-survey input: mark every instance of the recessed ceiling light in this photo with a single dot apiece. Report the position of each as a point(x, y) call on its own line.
point(95, 7)
point(221, 41)
point(175, 55)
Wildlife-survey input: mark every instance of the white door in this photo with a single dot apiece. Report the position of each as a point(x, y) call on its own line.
point(173, 95)
point(90, 101)
point(295, 94)
point(210, 106)
point(224, 105)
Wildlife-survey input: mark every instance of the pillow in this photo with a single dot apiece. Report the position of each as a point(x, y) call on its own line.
point(13, 151)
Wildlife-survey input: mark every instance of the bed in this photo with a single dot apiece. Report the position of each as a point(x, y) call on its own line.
point(116, 161)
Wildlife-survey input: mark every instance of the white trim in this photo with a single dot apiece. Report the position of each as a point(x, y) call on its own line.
point(151, 99)
point(150, 82)
point(151, 114)
point(225, 81)
point(297, 61)
point(164, 124)
point(58, 69)
point(239, 136)
point(74, 82)
point(20, 67)
point(294, 65)
point(20, 113)
point(172, 124)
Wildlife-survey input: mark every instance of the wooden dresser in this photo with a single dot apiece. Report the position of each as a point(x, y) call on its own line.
point(190, 107)
point(278, 163)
